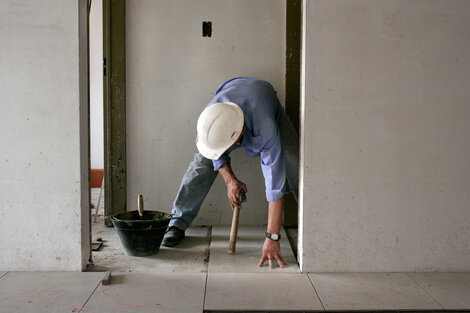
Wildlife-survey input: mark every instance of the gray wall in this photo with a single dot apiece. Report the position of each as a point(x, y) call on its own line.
point(385, 124)
point(386, 170)
point(40, 164)
point(173, 72)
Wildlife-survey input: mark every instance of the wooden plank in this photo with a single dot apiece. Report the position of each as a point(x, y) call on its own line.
point(106, 279)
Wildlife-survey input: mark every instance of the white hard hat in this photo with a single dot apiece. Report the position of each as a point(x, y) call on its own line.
point(218, 128)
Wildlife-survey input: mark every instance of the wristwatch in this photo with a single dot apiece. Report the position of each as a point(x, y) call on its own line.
point(274, 237)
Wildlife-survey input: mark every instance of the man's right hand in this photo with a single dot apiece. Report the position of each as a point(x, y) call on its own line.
point(233, 185)
point(233, 192)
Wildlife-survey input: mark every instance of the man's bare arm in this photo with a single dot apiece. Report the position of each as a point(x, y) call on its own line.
point(233, 185)
point(271, 248)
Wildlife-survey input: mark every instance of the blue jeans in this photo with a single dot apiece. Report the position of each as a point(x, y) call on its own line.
point(200, 176)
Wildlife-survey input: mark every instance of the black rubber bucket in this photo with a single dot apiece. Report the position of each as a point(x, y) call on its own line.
point(141, 236)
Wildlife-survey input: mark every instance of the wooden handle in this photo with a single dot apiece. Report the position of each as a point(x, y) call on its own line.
point(234, 231)
point(140, 205)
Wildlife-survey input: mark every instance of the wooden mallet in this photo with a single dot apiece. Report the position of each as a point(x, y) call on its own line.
point(234, 228)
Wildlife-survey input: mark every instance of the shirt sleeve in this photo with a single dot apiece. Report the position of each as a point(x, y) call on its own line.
point(224, 158)
point(273, 165)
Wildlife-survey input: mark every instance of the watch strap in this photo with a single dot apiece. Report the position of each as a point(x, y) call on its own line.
point(269, 235)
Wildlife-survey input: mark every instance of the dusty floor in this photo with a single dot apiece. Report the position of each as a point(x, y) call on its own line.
point(204, 249)
point(232, 292)
point(221, 282)
point(199, 276)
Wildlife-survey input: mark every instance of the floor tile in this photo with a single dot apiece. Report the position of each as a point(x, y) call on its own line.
point(260, 291)
point(162, 293)
point(451, 290)
point(2, 274)
point(371, 291)
point(248, 251)
point(190, 256)
point(46, 291)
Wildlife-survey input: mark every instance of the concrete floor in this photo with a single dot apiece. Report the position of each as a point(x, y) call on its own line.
point(192, 255)
point(232, 292)
point(235, 283)
point(200, 277)
point(203, 250)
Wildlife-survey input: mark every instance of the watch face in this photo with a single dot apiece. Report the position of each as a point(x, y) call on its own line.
point(274, 236)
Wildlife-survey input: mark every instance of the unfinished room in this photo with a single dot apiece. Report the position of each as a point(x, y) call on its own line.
point(235, 156)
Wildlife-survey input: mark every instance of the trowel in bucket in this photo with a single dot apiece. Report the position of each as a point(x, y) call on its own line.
point(234, 228)
point(140, 205)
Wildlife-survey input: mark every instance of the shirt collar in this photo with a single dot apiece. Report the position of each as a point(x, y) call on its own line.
point(240, 144)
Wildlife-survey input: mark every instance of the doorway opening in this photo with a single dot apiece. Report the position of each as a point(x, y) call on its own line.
point(107, 116)
point(96, 109)
point(125, 115)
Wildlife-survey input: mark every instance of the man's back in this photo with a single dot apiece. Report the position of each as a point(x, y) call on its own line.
point(258, 101)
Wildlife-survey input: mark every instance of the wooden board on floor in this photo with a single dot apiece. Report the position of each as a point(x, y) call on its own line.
point(248, 251)
point(46, 291)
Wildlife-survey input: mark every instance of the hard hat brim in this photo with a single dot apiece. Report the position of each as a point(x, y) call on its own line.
point(209, 153)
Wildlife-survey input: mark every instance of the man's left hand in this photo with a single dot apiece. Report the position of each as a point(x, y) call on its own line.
point(272, 252)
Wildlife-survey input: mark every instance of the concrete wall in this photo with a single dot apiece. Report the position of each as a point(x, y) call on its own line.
point(96, 85)
point(42, 175)
point(173, 72)
point(386, 172)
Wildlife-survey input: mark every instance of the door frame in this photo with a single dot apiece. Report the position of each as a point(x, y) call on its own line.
point(114, 111)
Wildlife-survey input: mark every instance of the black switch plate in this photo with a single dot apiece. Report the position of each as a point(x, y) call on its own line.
point(206, 29)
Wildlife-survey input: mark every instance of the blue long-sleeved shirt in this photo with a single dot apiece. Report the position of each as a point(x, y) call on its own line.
point(261, 109)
